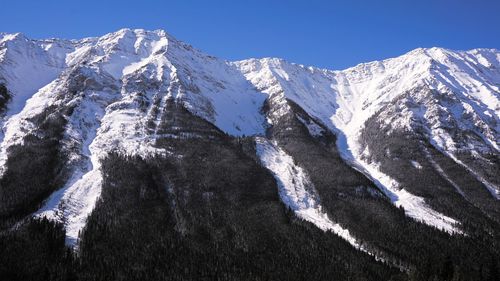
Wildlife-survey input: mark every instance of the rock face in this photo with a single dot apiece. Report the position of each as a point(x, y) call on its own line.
point(393, 157)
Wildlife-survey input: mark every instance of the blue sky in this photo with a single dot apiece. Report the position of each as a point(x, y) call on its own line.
point(330, 34)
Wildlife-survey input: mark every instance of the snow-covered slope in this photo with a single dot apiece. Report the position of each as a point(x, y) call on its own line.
point(117, 86)
point(27, 65)
point(296, 189)
point(468, 82)
point(344, 100)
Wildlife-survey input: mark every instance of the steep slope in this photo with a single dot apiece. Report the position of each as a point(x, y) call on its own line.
point(25, 67)
point(205, 212)
point(117, 86)
point(346, 100)
point(398, 157)
point(296, 189)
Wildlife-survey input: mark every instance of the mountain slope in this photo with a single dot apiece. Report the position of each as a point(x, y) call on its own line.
point(397, 157)
point(121, 83)
point(450, 98)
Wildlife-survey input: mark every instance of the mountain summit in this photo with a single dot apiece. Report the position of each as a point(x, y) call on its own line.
point(136, 129)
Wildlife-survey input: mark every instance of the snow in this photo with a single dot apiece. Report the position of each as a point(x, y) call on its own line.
point(348, 98)
point(414, 206)
point(134, 66)
point(296, 190)
point(416, 164)
point(313, 128)
point(494, 190)
point(216, 91)
point(25, 68)
point(75, 201)
point(443, 174)
point(16, 126)
point(111, 119)
point(448, 149)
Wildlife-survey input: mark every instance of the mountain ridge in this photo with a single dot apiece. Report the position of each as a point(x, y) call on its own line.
point(388, 157)
point(127, 53)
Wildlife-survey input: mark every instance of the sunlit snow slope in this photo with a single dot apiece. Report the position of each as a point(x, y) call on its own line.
point(296, 190)
point(117, 87)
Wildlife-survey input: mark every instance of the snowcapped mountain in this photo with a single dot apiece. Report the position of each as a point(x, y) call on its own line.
point(106, 80)
point(452, 98)
point(420, 131)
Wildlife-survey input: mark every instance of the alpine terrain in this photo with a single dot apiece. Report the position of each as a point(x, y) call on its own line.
point(134, 156)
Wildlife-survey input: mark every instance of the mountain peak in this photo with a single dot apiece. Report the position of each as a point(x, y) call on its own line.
point(119, 86)
point(12, 36)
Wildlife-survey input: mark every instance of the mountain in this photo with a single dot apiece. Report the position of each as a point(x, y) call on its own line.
point(136, 156)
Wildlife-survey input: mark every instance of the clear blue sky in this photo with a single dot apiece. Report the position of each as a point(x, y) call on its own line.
point(331, 34)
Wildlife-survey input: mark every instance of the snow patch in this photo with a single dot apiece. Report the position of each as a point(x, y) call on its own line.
point(416, 164)
point(443, 174)
point(74, 202)
point(494, 190)
point(296, 190)
point(414, 206)
point(314, 129)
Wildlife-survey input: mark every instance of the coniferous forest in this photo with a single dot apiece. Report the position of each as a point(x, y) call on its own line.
point(210, 211)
